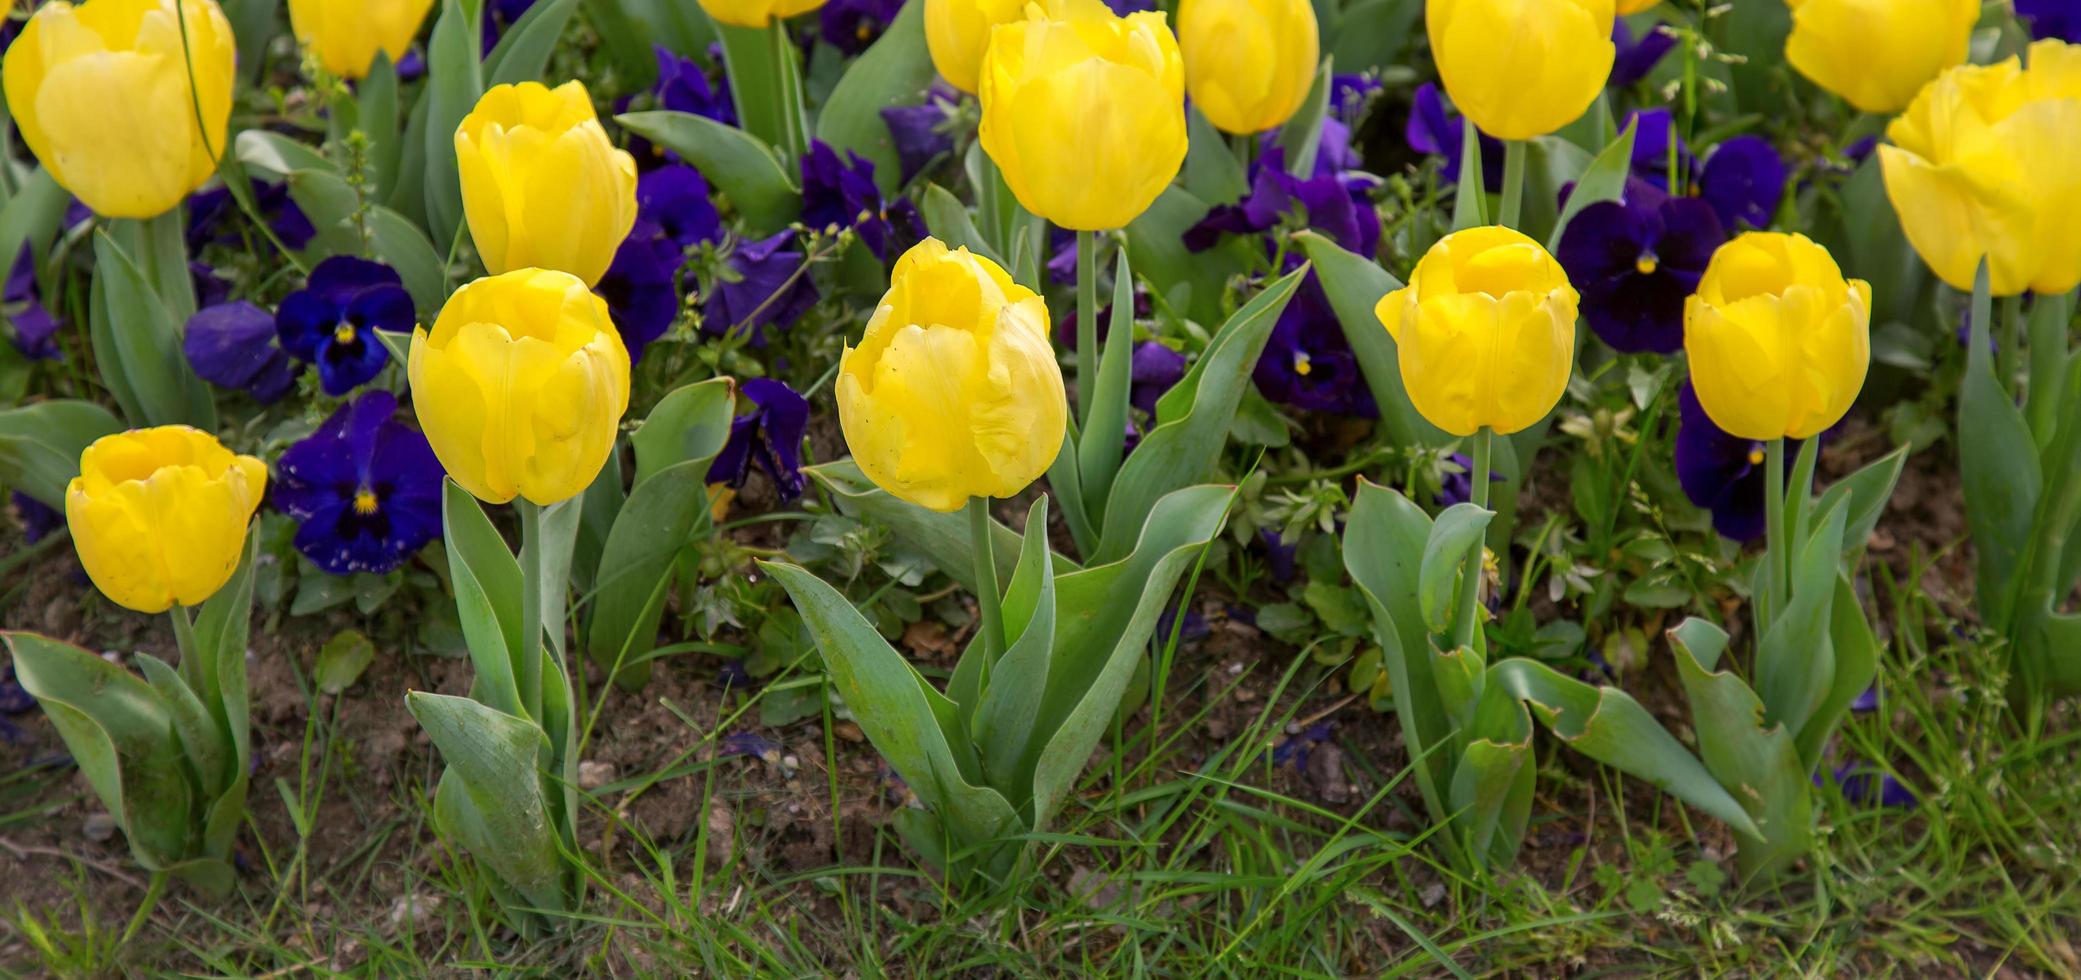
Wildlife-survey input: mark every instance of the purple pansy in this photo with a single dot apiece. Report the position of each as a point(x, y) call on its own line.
point(38, 518)
point(641, 287)
point(839, 192)
point(210, 215)
point(234, 345)
point(1439, 131)
point(330, 322)
point(35, 327)
point(499, 17)
point(1635, 262)
point(684, 85)
point(1337, 205)
point(1743, 180)
point(921, 132)
point(1720, 472)
point(1307, 362)
point(1295, 749)
point(852, 25)
point(1867, 702)
point(1122, 8)
point(1865, 785)
point(1653, 135)
point(1350, 94)
point(1156, 369)
point(765, 283)
point(365, 488)
point(1636, 57)
point(769, 435)
point(1281, 559)
point(675, 199)
point(2059, 19)
point(1457, 487)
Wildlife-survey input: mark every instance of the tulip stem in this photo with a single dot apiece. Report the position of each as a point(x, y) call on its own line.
point(1513, 183)
point(1777, 552)
point(1470, 577)
point(530, 606)
point(987, 597)
point(2010, 350)
point(1087, 325)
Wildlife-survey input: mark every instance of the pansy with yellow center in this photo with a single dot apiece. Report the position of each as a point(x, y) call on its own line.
point(365, 488)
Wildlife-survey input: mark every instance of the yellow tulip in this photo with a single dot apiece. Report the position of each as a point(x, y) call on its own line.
point(1248, 63)
point(1084, 112)
point(100, 91)
point(521, 386)
point(542, 185)
point(1485, 331)
point(1627, 8)
point(1981, 166)
point(957, 32)
point(756, 13)
point(1877, 54)
point(954, 391)
point(346, 34)
point(159, 515)
point(1778, 341)
point(1518, 69)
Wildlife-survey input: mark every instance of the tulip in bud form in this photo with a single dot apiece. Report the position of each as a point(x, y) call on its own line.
point(1877, 54)
point(1779, 341)
point(346, 34)
point(1248, 63)
point(159, 516)
point(957, 32)
point(542, 185)
point(756, 13)
point(1518, 69)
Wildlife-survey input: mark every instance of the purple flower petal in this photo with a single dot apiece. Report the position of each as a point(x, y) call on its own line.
point(1636, 58)
point(365, 489)
point(769, 435)
point(1743, 181)
point(233, 345)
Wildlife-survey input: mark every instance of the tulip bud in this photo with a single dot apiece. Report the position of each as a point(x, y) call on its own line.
point(1248, 63)
point(1084, 112)
point(957, 32)
point(1521, 70)
point(521, 386)
point(1627, 8)
point(159, 515)
point(954, 391)
point(1778, 341)
point(100, 91)
point(1877, 54)
point(346, 34)
point(542, 185)
point(1485, 331)
point(756, 13)
point(1979, 168)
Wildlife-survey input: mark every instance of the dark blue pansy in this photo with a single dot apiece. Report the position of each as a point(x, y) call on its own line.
point(2059, 19)
point(1439, 131)
point(1281, 559)
point(923, 133)
point(1307, 362)
point(840, 192)
point(1122, 8)
point(1743, 180)
point(1337, 205)
point(330, 321)
point(1654, 134)
point(365, 488)
point(1865, 785)
point(1636, 57)
point(763, 282)
point(1635, 262)
point(38, 518)
point(14, 699)
point(683, 85)
point(499, 17)
point(1457, 486)
point(211, 288)
point(1867, 702)
point(1294, 751)
point(769, 435)
point(641, 287)
point(852, 25)
point(35, 328)
point(1156, 369)
point(234, 345)
point(1350, 94)
point(211, 216)
point(1062, 256)
point(1720, 472)
point(675, 199)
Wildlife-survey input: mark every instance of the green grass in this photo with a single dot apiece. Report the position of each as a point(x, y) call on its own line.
point(1181, 857)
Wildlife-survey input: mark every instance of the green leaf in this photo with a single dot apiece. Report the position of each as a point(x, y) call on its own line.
point(342, 660)
point(454, 81)
point(1864, 494)
point(766, 81)
point(32, 215)
point(1458, 532)
point(1795, 659)
point(1211, 172)
point(207, 755)
point(1193, 419)
point(220, 632)
point(1372, 33)
point(1384, 542)
point(1470, 194)
point(487, 584)
point(136, 340)
point(1004, 718)
point(1855, 652)
point(379, 119)
point(747, 170)
point(491, 799)
point(1301, 135)
point(689, 425)
point(1355, 285)
point(2049, 363)
point(1189, 282)
point(1607, 725)
point(40, 445)
point(1492, 785)
point(896, 70)
point(2000, 469)
point(400, 243)
point(899, 711)
point(950, 222)
point(1605, 180)
point(279, 155)
point(1066, 481)
point(1104, 439)
point(1759, 766)
point(942, 538)
point(523, 51)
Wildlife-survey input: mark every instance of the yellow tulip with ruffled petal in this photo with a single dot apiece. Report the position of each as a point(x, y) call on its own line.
point(1627, 8)
point(346, 34)
point(521, 385)
point(957, 32)
point(159, 516)
point(100, 91)
point(954, 391)
point(756, 13)
point(1779, 341)
point(1981, 165)
point(1485, 331)
point(1248, 63)
point(1521, 70)
point(542, 185)
point(1084, 112)
point(1877, 54)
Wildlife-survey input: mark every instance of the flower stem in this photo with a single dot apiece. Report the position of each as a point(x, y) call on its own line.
point(1777, 551)
point(987, 597)
point(1087, 325)
point(530, 606)
point(1470, 577)
point(153, 890)
point(191, 666)
point(1513, 183)
point(790, 95)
